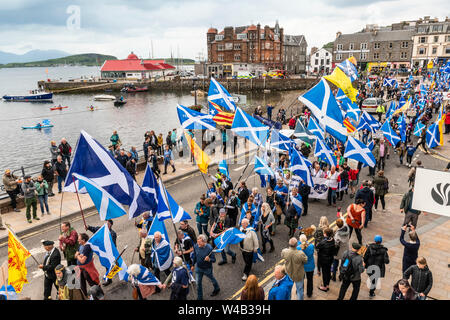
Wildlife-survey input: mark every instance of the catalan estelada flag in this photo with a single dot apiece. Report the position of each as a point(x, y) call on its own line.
point(350, 127)
point(17, 255)
point(220, 117)
point(200, 157)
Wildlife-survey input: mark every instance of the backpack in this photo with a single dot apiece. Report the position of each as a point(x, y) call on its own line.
point(346, 268)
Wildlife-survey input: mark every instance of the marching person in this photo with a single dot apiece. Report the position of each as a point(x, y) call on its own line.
point(351, 267)
point(341, 238)
point(185, 227)
point(267, 220)
point(326, 250)
point(202, 211)
point(356, 216)
point(161, 255)
point(183, 246)
point(52, 259)
point(85, 261)
point(308, 249)
point(294, 211)
point(295, 261)
point(179, 280)
point(367, 196)
point(251, 290)
point(381, 188)
point(403, 291)
point(68, 243)
point(248, 246)
point(411, 215)
point(375, 259)
point(222, 223)
point(232, 207)
point(62, 277)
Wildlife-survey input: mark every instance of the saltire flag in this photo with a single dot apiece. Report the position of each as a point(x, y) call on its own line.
point(418, 128)
point(279, 141)
point(349, 125)
point(149, 186)
point(200, 156)
point(403, 93)
point(169, 209)
point(324, 107)
point(9, 293)
point(300, 166)
point(390, 83)
point(325, 153)
point(107, 206)
point(223, 168)
point(402, 127)
point(314, 128)
point(162, 254)
point(303, 134)
point(254, 211)
point(351, 108)
point(257, 256)
point(371, 121)
point(341, 80)
point(102, 244)
point(261, 167)
point(191, 119)
point(389, 134)
point(433, 136)
point(93, 161)
point(17, 256)
point(297, 203)
point(248, 127)
point(220, 117)
point(355, 149)
point(349, 69)
point(370, 145)
point(158, 225)
point(220, 96)
point(145, 277)
point(229, 236)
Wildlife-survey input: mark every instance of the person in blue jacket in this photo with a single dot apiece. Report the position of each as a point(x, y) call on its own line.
point(308, 249)
point(281, 289)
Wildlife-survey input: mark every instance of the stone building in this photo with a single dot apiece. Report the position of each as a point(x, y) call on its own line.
point(321, 61)
point(294, 57)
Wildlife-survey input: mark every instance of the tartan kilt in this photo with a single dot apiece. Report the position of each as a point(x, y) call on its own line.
point(292, 223)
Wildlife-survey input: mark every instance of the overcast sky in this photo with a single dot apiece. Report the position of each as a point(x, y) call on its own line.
point(117, 27)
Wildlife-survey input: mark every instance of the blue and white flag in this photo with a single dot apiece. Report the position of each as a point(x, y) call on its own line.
point(297, 203)
point(230, 236)
point(370, 145)
point(279, 141)
point(355, 149)
point(220, 96)
point(158, 225)
point(315, 129)
point(107, 206)
point(223, 168)
point(93, 161)
point(300, 166)
point(348, 106)
point(433, 136)
point(402, 127)
point(254, 211)
point(162, 255)
point(257, 256)
point(191, 119)
point(389, 134)
point(149, 186)
point(261, 167)
point(371, 121)
point(390, 83)
point(248, 127)
point(102, 244)
point(404, 92)
point(324, 107)
point(9, 294)
point(325, 153)
point(349, 69)
point(303, 134)
point(169, 210)
point(418, 128)
point(145, 277)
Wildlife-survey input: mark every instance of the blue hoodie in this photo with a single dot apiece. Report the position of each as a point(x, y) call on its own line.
point(309, 251)
point(281, 290)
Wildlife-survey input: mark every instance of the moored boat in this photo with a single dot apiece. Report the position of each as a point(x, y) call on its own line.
point(38, 127)
point(104, 97)
point(134, 89)
point(34, 96)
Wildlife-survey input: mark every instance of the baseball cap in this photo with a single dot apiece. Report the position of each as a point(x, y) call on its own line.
point(378, 238)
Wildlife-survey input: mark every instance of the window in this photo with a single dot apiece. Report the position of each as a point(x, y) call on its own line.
point(328, 61)
point(351, 46)
point(237, 57)
point(447, 50)
point(277, 58)
point(241, 36)
point(422, 39)
point(405, 44)
point(422, 50)
point(316, 62)
point(403, 55)
point(237, 46)
point(376, 45)
point(339, 46)
point(376, 56)
point(219, 37)
point(220, 47)
point(317, 54)
point(338, 56)
point(228, 46)
point(326, 54)
point(363, 55)
point(267, 45)
point(363, 46)
point(321, 62)
point(390, 45)
point(436, 39)
point(434, 50)
point(220, 57)
point(262, 36)
point(422, 29)
point(437, 28)
point(448, 38)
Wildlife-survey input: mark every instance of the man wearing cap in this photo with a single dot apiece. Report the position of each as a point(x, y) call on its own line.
point(220, 225)
point(357, 268)
point(29, 190)
point(51, 260)
point(11, 187)
point(375, 258)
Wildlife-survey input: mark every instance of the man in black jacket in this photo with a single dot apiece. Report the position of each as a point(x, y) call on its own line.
point(356, 268)
point(304, 190)
point(367, 195)
point(48, 173)
point(422, 278)
point(375, 259)
point(60, 171)
point(326, 251)
point(122, 158)
point(51, 260)
point(243, 193)
point(65, 150)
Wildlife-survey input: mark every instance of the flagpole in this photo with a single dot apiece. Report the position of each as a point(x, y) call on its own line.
point(8, 226)
point(79, 203)
point(60, 211)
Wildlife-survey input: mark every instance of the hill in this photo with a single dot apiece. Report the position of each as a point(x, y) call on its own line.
point(33, 55)
point(174, 61)
point(86, 59)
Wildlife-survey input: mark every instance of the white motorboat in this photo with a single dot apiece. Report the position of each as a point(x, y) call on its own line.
point(104, 97)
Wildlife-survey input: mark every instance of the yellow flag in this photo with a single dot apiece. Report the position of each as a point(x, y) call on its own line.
point(404, 108)
point(430, 65)
point(17, 270)
point(352, 59)
point(200, 157)
point(340, 79)
point(114, 270)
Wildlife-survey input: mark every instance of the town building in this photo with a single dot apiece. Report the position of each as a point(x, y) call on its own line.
point(431, 41)
point(246, 50)
point(134, 68)
point(320, 60)
point(294, 57)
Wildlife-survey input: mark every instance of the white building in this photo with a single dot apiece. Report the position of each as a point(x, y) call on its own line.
point(321, 61)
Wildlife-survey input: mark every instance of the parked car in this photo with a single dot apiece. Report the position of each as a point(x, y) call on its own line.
point(370, 104)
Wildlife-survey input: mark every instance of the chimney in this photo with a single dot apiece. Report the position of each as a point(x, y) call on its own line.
point(338, 34)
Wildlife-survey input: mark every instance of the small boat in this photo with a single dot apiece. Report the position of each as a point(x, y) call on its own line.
point(120, 102)
point(38, 127)
point(131, 89)
point(104, 97)
point(58, 108)
point(34, 96)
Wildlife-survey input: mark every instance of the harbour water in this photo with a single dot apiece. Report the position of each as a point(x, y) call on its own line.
point(142, 112)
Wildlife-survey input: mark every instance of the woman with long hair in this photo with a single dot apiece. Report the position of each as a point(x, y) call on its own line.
point(403, 291)
point(252, 291)
point(267, 220)
point(308, 249)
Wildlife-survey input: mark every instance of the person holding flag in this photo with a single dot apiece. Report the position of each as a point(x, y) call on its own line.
point(179, 280)
point(85, 262)
point(161, 255)
point(248, 246)
point(221, 224)
point(294, 211)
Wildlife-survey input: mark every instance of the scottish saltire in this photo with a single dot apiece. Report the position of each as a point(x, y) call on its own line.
point(149, 186)
point(341, 80)
point(9, 293)
point(261, 167)
point(324, 107)
point(257, 256)
point(220, 117)
point(158, 225)
point(248, 127)
point(201, 158)
point(93, 161)
point(370, 145)
point(355, 149)
point(145, 277)
point(349, 125)
point(297, 203)
point(389, 134)
point(169, 209)
point(102, 244)
point(418, 128)
point(325, 153)
point(223, 168)
point(303, 133)
point(220, 96)
point(390, 83)
point(17, 256)
point(162, 255)
point(371, 121)
point(349, 69)
point(191, 119)
point(352, 110)
point(107, 206)
point(279, 141)
point(300, 166)
point(229, 236)
point(402, 127)
point(433, 136)
point(254, 211)
point(314, 128)
point(403, 93)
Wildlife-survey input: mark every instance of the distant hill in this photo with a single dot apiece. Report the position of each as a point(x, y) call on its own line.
point(174, 61)
point(86, 59)
point(33, 55)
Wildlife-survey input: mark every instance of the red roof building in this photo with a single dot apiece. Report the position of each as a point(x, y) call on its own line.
point(134, 68)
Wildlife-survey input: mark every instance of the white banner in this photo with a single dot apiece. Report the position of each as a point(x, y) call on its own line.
point(432, 191)
point(320, 189)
